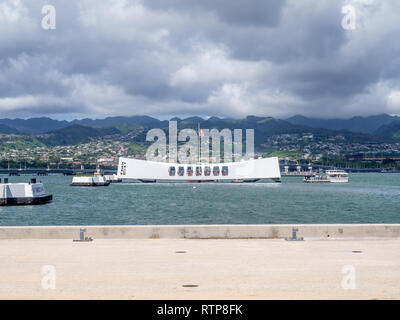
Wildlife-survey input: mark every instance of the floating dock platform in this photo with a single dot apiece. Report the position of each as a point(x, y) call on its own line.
point(31, 193)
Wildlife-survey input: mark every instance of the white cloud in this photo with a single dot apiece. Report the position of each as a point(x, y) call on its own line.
point(393, 101)
point(213, 65)
point(12, 11)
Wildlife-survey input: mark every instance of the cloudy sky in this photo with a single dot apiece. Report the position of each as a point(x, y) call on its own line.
point(228, 58)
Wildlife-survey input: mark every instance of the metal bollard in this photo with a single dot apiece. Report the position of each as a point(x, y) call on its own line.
point(82, 237)
point(294, 236)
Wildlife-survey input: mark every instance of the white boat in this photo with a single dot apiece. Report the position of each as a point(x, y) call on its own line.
point(112, 178)
point(243, 171)
point(87, 180)
point(31, 193)
point(330, 176)
point(337, 176)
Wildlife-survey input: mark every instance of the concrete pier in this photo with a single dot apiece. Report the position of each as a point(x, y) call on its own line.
point(201, 262)
point(308, 231)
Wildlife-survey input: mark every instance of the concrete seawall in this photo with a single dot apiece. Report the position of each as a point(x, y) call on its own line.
point(308, 231)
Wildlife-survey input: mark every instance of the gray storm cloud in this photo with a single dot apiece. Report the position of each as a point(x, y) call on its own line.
point(223, 58)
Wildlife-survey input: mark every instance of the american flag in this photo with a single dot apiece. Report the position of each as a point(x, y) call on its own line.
point(201, 133)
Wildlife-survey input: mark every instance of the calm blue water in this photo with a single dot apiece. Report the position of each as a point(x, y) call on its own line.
point(367, 198)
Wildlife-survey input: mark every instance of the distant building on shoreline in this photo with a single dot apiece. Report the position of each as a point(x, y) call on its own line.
point(374, 157)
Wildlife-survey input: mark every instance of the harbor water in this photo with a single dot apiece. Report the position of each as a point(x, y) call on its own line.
point(367, 198)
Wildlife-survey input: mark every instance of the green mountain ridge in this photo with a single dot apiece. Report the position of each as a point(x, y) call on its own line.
point(7, 129)
point(136, 127)
point(74, 134)
point(390, 131)
point(34, 125)
point(355, 124)
point(263, 126)
point(368, 125)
